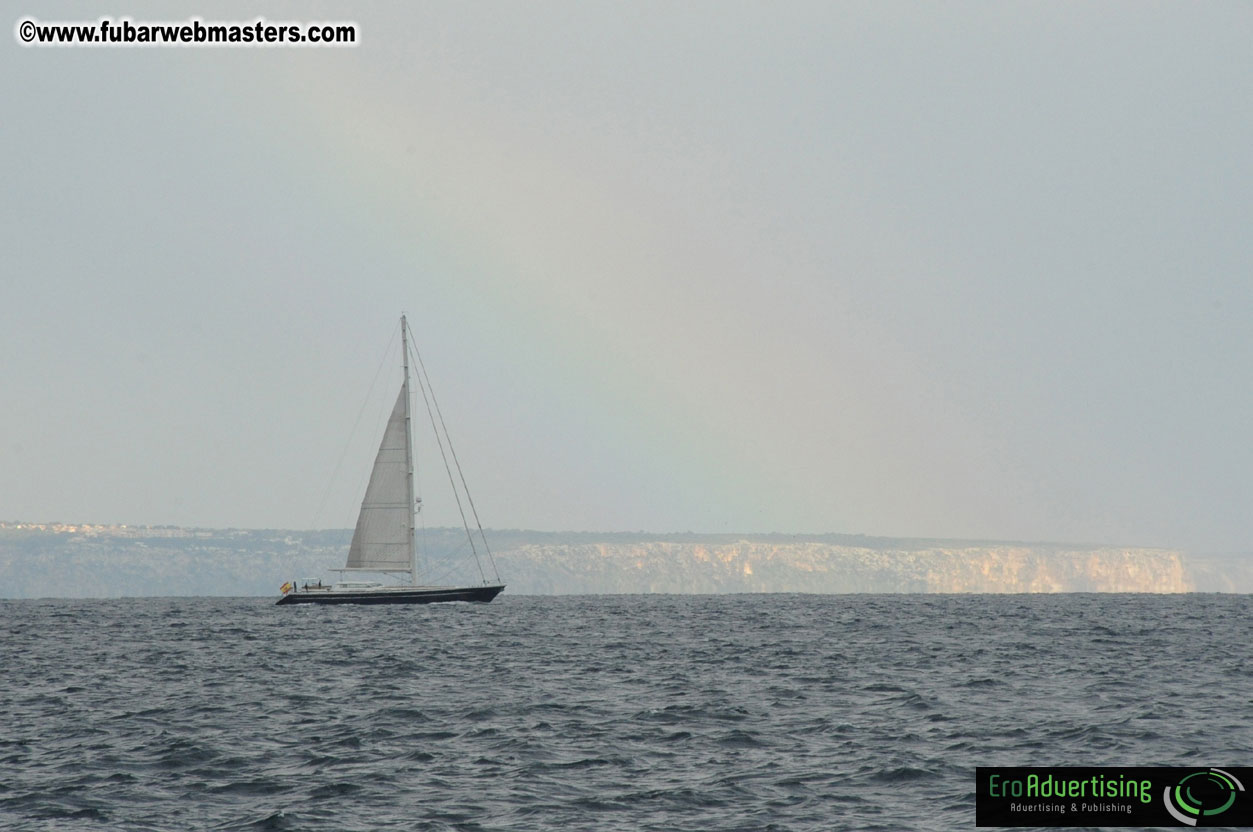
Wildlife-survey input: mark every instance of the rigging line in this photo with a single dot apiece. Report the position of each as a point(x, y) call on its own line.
point(380, 422)
point(451, 558)
point(469, 498)
point(445, 573)
point(447, 467)
point(342, 454)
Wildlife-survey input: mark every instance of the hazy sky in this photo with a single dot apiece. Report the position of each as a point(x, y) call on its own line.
point(963, 270)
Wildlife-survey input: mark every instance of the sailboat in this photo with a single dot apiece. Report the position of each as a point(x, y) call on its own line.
point(384, 542)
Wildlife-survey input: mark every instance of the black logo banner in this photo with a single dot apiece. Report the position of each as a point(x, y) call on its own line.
point(1131, 796)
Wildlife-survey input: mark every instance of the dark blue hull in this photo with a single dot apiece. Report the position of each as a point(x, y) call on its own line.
point(424, 595)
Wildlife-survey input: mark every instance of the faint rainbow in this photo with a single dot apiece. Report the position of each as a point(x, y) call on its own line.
point(361, 121)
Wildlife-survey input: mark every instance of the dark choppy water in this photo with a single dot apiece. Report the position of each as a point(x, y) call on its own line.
point(644, 712)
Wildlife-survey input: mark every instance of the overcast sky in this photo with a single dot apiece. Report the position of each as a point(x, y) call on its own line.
point(960, 270)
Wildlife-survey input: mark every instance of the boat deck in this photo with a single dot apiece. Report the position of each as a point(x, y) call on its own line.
point(329, 594)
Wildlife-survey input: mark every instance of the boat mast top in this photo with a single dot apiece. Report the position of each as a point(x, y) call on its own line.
point(404, 350)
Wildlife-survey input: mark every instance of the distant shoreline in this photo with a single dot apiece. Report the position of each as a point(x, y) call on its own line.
point(96, 560)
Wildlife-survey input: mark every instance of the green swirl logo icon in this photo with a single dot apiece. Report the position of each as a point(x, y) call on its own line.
point(1202, 795)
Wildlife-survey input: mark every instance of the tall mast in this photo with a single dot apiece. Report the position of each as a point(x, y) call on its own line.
point(413, 555)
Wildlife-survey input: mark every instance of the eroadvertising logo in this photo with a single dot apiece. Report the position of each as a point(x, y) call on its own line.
point(1132, 796)
point(1211, 793)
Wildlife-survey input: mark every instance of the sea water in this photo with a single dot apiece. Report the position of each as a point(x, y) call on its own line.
point(748, 712)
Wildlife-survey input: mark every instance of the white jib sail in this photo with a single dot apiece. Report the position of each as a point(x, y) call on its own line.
point(381, 541)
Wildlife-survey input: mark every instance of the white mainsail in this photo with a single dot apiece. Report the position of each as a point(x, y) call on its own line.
point(383, 540)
